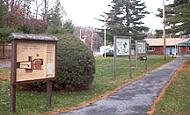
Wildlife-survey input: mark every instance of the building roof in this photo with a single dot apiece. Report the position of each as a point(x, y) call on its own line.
point(186, 43)
point(169, 41)
point(21, 36)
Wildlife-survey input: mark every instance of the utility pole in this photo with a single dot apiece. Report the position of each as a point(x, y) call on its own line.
point(105, 40)
point(80, 33)
point(164, 31)
point(92, 39)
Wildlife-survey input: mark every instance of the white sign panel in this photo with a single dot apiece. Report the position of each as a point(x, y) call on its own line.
point(122, 46)
point(141, 47)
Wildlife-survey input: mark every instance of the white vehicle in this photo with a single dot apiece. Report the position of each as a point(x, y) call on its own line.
point(105, 49)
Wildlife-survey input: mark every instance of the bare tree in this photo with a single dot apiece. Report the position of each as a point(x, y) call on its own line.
point(37, 7)
point(45, 9)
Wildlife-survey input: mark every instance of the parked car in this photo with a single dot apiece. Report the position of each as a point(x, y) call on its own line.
point(109, 53)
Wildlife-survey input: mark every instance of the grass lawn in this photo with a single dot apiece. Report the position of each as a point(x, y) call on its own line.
point(176, 100)
point(4, 73)
point(34, 103)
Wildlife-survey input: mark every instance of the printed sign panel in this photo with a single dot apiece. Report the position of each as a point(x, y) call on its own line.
point(141, 47)
point(35, 60)
point(122, 46)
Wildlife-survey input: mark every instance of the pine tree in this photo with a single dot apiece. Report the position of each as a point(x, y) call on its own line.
point(178, 17)
point(68, 26)
point(3, 11)
point(54, 17)
point(125, 17)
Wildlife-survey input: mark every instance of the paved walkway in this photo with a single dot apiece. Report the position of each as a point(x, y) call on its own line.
point(5, 63)
point(134, 99)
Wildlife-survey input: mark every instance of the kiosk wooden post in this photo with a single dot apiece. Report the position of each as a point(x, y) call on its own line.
point(33, 60)
point(13, 77)
point(49, 92)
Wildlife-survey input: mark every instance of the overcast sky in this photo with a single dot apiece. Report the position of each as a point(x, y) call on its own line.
point(84, 12)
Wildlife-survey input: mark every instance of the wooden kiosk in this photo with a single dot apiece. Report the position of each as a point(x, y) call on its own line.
point(33, 60)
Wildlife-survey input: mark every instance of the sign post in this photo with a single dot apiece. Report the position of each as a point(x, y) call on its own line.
point(114, 59)
point(33, 60)
point(49, 92)
point(130, 70)
point(13, 77)
point(122, 47)
point(141, 51)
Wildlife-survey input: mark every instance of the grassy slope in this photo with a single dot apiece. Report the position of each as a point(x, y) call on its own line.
point(35, 103)
point(176, 100)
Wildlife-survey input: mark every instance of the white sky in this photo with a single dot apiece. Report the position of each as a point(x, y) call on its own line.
point(84, 12)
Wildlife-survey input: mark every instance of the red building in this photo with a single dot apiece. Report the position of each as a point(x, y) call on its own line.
point(173, 46)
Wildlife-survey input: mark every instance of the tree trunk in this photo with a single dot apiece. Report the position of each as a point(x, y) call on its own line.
point(7, 19)
point(45, 13)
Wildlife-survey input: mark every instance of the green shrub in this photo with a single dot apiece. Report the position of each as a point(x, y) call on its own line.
point(5, 32)
point(52, 29)
point(75, 66)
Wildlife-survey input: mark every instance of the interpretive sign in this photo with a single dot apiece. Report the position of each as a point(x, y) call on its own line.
point(33, 59)
point(122, 46)
point(141, 47)
point(141, 50)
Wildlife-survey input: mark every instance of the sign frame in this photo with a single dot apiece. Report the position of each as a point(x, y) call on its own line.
point(19, 37)
point(143, 43)
point(124, 47)
point(19, 62)
point(115, 54)
point(142, 56)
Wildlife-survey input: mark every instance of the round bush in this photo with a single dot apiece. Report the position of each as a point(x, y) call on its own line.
point(75, 64)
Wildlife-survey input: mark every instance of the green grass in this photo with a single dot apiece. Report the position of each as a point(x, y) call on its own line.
point(176, 100)
point(34, 103)
point(4, 73)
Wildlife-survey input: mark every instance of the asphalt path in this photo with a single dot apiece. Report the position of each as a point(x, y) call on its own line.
point(133, 99)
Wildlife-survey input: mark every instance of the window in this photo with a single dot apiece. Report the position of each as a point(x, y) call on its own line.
point(151, 49)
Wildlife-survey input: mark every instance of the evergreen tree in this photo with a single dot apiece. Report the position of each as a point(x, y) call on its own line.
point(178, 17)
point(68, 26)
point(124, 19)
point(159, 33)
point(54, 17)
point(3, 11)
